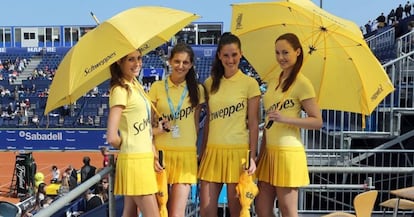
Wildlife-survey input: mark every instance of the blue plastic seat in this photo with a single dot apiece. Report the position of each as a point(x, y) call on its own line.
point(8, 209)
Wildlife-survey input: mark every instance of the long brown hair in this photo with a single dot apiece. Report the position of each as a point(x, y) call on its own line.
point(190, 77)
point(116, 74)
point(293, 40)
point(217, 69)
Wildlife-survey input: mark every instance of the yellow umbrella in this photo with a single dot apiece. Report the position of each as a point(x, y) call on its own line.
point(246, 189)
point(162, 195)
point(86, 65)
point(344, 72)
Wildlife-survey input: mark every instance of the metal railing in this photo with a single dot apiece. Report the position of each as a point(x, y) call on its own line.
point(81, 189)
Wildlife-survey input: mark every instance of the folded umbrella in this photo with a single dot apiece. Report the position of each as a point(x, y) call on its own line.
point(162, 194)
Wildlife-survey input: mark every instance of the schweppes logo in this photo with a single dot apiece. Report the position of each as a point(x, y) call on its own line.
point(377, 93)
point(239, 21)
point(144, 47)
point(101, 62)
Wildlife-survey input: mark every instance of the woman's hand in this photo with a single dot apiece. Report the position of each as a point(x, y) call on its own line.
point(157, 166)
point(275, 115)
point(252, 167)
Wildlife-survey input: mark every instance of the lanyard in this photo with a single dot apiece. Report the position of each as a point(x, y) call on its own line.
point(147, 107)
point(176, 112)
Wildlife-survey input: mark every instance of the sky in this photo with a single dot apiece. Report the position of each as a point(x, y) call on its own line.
point(77, 12)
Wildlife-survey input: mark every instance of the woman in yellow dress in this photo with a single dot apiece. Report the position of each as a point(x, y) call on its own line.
point(178, 99)
point(232, 127)
point(282, 166)
point(130, 115)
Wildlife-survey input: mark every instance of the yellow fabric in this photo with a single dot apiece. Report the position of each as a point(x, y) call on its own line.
point(228, 109)
point(186, 122)
point(246, 191)
point(135, 174)
point(180, 163)
point(342, 68)
point(135, 125)
point(223, 163)
point(283, 134)
point(283, 166)
point(162, 194)
point(86, 65)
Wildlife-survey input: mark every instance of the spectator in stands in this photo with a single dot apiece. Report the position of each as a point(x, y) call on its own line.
point(102, 191)
point(399, 12)
point(179, 93)
point(73, 177)
point(407, 9)
point(40, 195)
point(55, 174)
point(80, 120)
point(105, 155)
point(40, 201)
point(229, 137)
point(277, 177)
point(92, 201)
point(64, 186)
point(87, 170)
point(35, 120)
point(128, 104)
point(90, 120)
point(391, 17)
point(381, 21)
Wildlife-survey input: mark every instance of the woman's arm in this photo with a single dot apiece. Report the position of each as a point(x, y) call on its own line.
point(112, 135)
point(312, 121)
point(253, 126)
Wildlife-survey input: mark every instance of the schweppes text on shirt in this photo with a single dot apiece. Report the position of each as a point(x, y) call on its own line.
point(227, 112)
point(141, 126)
point(183, 113)
point(286, 104)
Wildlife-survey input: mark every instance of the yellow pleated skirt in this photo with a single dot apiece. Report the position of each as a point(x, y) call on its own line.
point(223, 163)
point(180, 163)
point(284, 166)
point(135, 174)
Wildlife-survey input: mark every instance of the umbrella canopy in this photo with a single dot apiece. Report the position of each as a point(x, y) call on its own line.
point(344, 72)
point(86, 65)
point(247, 191)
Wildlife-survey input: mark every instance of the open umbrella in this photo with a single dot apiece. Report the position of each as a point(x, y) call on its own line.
point(246, 190)
point(344, 72)
point(86, 65)
point(162, 195)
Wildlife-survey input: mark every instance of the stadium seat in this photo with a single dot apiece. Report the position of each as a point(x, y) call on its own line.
point(8, 209)
point(363, 204)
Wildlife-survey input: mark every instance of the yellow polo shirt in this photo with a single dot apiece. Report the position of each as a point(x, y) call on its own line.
point(228, 109)
point(283, 134)
point(135, 125)
point(185, 121)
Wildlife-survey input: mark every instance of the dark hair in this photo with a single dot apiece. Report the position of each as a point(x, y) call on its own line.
point(217, 69)
point(190, 77)
point(293, 40)
point(86, 160)
point(41, 189)
point(116, 74)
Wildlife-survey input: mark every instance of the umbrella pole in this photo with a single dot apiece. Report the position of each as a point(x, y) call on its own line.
point(96, 19)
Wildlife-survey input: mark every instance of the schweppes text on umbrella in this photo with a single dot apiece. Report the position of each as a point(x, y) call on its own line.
point(100, 63)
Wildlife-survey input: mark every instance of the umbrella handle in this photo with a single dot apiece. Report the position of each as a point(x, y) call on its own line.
point(269, 124)
point(161, 158)
point(247, 166)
